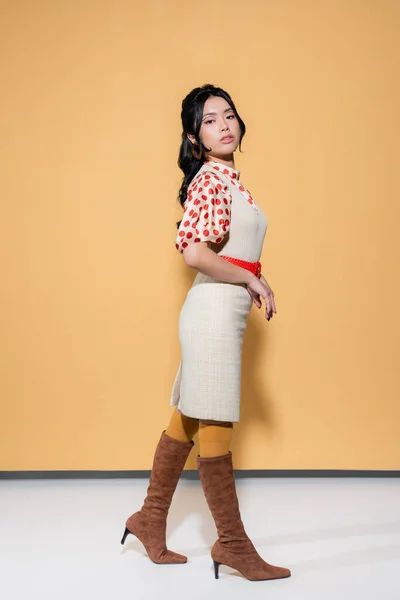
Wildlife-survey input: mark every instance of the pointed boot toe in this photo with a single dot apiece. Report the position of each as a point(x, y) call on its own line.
point(170, 558)
point(233, 547)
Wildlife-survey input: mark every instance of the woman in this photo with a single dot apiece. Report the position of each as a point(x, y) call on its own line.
point(221, 236)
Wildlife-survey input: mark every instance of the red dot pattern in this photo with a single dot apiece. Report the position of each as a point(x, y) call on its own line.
point(206, 211)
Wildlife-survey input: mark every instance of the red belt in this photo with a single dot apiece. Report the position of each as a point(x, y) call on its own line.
point(254, 267)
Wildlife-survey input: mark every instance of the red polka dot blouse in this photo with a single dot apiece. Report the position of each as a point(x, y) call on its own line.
point(207, 209)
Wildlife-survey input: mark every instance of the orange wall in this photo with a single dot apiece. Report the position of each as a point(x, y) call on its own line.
point(91, 282)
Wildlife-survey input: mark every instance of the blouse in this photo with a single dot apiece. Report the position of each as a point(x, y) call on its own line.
point(207, 208)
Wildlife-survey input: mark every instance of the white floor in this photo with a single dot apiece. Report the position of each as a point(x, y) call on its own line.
point(60, 539)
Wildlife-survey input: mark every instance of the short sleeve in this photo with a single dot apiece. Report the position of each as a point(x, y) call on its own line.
point(207, 211)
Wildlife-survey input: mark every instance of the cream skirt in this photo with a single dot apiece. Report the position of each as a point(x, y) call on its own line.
point(212, 322)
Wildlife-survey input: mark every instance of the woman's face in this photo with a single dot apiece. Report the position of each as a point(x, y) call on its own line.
point(218, 121)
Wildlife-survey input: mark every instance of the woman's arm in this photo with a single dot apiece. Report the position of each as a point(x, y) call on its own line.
point(200, 257)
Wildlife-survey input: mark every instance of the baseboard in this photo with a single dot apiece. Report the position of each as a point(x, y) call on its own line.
point(193, 474)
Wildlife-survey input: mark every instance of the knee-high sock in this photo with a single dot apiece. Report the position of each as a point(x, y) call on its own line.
point(182, 428)
point(215, 439)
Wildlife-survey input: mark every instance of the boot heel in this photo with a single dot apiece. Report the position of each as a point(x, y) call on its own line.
point(216, 567)
point(125, 534)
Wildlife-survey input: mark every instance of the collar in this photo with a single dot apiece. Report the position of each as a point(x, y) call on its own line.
point(233, 173)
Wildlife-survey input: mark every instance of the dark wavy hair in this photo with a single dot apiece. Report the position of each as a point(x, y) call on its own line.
point(191, 115)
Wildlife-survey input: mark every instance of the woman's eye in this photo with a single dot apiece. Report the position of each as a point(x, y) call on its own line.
point(212, 120)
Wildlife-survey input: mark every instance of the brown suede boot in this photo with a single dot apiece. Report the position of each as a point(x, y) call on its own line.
point(233, 547)
point(150, 522)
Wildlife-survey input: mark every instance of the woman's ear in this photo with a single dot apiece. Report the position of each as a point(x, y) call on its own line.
point(191, 138)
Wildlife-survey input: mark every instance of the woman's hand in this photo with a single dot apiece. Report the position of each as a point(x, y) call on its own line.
point(259, 288)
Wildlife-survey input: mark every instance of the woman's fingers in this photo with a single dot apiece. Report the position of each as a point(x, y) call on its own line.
point(270, 307)
point(263, 291)
point(255, 297)
point(257, 302)
point(273, 302)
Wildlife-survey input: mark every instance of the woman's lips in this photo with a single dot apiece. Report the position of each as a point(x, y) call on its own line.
point(227, 140)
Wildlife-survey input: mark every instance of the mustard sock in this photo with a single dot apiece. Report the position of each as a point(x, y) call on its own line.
point(215, 440)
point(182, 428)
